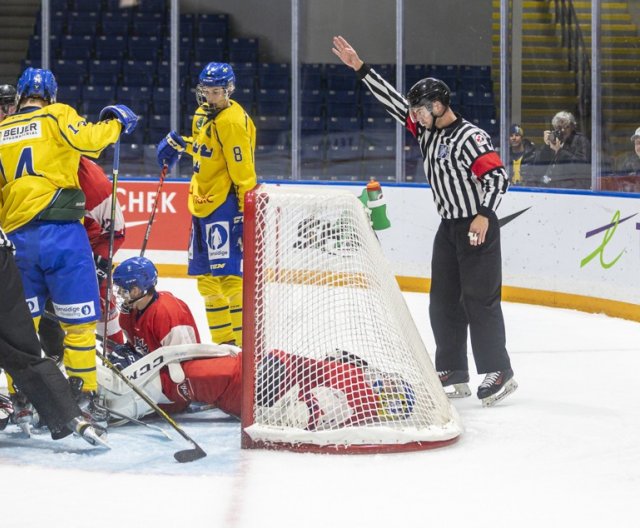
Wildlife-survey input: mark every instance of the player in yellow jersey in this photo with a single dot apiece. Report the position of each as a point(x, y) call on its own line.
point(222, 145)
point(41, 205)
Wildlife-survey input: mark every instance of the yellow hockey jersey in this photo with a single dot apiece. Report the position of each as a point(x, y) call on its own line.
point(40, 151)
point(223, 150)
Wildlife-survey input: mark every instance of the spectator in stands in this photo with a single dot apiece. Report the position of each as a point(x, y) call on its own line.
point(522, 152)
point(564, 161)
point(629, 165)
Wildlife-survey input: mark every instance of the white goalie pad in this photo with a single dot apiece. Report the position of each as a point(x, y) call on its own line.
point(117, 396)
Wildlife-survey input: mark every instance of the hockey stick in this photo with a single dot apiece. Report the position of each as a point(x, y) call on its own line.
point(124, 418)
point(186, 455)
point(112, 234)
point(163, 174)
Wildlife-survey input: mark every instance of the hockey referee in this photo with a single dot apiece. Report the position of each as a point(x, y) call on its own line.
point(468, 179)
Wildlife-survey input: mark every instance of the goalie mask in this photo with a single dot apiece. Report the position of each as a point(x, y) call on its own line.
point(427, 91)
point(135, 272)
point(37, 83)
point(7, 100)
point(215, 75)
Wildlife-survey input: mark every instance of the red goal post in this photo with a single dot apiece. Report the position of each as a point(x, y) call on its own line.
point(332, 359)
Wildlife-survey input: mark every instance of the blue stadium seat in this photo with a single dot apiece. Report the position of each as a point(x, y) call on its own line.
point(243, 50)
point(144, 48)
point(149, 25)
point(160, 100)
point(415, 72)
point(339, 124)
point(76, 47)
point(273, 122)
point(104, 72)
point(311, 76)
point(246, 68)
point(184, 49)
point(82, 22)
point(212, 25)
point(152, 6)
point(245, 97)
point(209, 50)
point(312, 124)
point(274, 75)
point(111, 48)
point(273, 102)
point(371, 107)
point(138, 73)
point(116, 24)
point(59, 5)
point(158, 126)
point(340, 78)
point(85, 5)
point(70, 94)
point(163, 72)
point(95, 98)
point(187, 25)
point(57, 23)
point(70, 72)
point(135, 96)
point(342, 103)
point(34, 51)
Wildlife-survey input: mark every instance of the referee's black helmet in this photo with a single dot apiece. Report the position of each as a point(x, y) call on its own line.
point(427, 91)
point(7, 94)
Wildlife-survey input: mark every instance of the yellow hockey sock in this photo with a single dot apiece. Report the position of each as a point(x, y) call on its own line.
point(80, 353)
point(232, 289)
point(217, 307)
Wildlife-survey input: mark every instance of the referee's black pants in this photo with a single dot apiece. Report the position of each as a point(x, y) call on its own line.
point(466, 284)
point(38, 378)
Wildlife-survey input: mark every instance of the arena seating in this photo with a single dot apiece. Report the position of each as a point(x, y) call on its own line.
point(102, 54)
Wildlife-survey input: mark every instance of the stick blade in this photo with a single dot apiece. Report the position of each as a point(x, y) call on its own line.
point(189, 455)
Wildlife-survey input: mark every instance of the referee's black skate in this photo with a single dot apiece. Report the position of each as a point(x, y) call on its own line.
point(496, 386)
point(455, 382)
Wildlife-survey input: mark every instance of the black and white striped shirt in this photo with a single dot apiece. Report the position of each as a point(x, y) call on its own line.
point(4, 241)
point(466, 175)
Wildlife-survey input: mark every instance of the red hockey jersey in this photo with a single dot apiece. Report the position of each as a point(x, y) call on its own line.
point(97, 189)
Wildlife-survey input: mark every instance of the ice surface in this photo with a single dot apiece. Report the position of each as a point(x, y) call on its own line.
point(564, 450)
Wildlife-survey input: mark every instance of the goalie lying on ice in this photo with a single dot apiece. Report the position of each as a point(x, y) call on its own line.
point(164, 357)
point(291, 390)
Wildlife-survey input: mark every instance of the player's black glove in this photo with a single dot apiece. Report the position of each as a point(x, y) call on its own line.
point(124, 355)
point(102, 268)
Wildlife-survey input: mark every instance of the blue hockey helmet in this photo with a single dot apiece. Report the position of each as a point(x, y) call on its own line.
point(136, 272)
point(215, 74)
point(36, 82)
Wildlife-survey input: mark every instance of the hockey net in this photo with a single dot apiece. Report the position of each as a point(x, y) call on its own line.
point(332, 360)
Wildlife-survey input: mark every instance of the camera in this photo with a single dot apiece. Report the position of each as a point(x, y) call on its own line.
point(556, 135)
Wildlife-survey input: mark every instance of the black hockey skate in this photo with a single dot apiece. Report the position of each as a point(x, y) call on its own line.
point(88, 403)
point(455, 382)
point(496, 386)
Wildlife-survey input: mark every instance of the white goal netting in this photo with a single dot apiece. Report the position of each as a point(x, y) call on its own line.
point(332, 356)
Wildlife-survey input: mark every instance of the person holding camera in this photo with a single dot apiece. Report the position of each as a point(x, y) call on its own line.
point(565, 158)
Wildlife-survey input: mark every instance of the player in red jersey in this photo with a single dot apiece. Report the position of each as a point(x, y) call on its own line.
point(164, 355)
